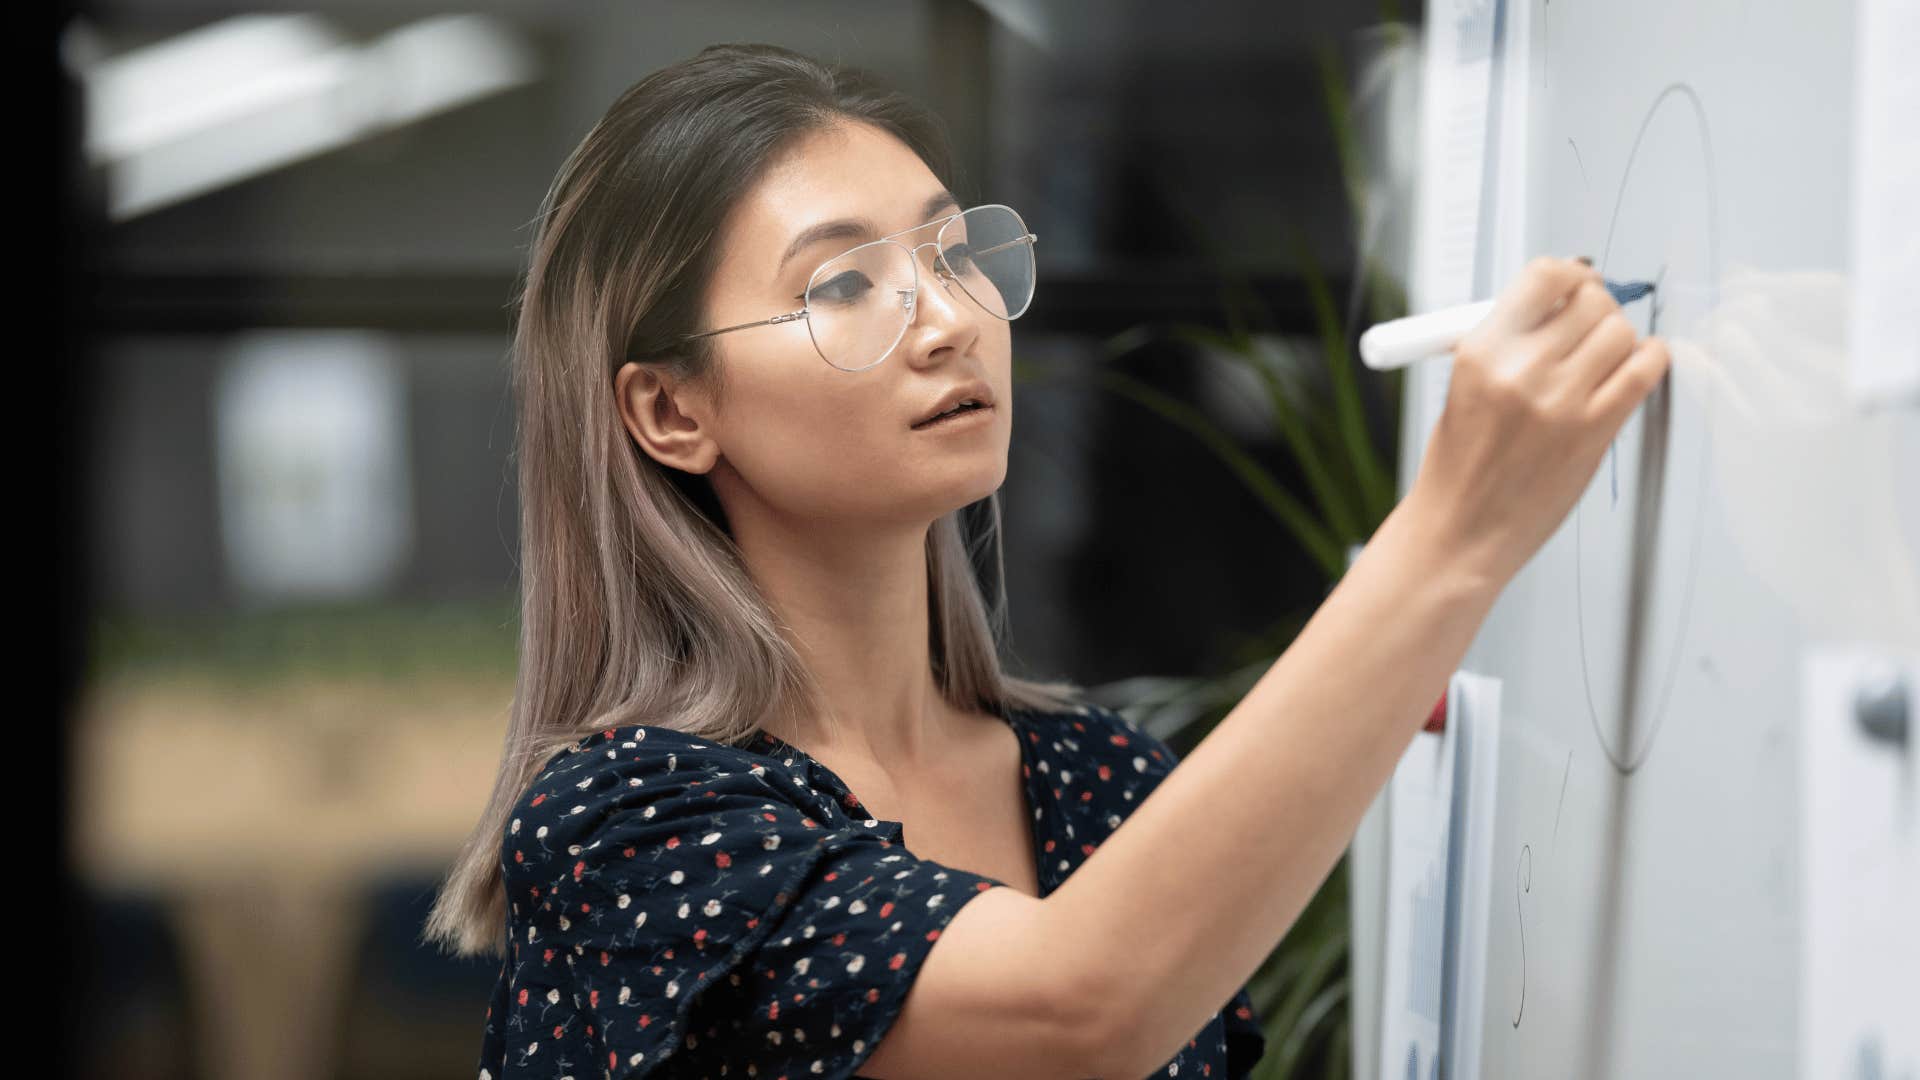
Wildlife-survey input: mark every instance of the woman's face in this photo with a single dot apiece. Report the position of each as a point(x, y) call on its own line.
point(798, 439)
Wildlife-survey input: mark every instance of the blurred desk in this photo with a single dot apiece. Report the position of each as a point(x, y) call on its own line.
point(262, 816)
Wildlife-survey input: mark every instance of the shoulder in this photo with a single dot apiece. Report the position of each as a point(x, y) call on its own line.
point(650, 779)
point(637, 748)
point(616, 764)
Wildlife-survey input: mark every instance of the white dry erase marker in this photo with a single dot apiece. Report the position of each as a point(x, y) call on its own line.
point(1400, 342)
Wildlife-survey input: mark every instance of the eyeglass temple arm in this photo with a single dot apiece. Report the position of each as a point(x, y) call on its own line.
point(1027, 239)
point(788, 317)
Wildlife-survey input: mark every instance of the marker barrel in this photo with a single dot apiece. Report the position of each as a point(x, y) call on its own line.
point(1400, 342)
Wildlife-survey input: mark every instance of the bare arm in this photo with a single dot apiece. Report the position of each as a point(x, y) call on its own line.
point(1178, 907)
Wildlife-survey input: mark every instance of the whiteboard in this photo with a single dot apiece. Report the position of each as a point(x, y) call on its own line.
point(1651, 909)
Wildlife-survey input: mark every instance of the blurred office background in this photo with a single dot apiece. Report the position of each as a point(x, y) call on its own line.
point(298, 232)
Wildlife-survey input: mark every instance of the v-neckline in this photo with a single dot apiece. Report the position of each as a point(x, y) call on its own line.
point(1033, 801)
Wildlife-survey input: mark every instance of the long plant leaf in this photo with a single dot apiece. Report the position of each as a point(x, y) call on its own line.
point(1333, 93)
point(1288, 417)
point(1301, 1037)
point(1374, 483)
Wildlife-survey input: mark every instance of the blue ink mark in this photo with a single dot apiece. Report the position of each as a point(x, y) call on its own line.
point(1626, 292)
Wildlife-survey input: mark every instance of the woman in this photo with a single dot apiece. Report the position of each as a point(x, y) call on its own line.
point(748, 596)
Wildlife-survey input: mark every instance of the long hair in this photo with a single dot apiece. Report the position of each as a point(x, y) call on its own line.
point(635, 604)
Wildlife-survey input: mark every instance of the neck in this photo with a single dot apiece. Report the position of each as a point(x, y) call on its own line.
point(856, 609)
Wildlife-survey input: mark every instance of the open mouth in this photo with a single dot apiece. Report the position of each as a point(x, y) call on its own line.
point(958, 410)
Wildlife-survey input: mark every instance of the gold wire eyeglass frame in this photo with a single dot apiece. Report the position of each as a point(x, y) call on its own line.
point(910, 296)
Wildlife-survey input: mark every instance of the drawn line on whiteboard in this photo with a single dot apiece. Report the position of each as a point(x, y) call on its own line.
point(1523, 886)
point(1564, 774)
point(1629, 757)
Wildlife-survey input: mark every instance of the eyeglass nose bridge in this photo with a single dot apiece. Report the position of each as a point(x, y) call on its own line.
point(940, 267)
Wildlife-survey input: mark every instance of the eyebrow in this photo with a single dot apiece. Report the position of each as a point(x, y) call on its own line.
point(855, 228)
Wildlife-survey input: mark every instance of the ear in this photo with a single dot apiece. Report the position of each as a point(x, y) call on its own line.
point(672, 423)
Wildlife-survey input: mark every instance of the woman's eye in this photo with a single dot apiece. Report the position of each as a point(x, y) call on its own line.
point(959, 257)
point(843, 287)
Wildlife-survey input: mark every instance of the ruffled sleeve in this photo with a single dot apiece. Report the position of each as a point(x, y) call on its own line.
point(678, 907)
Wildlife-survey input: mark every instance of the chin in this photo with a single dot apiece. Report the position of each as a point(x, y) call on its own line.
point(989, 483)
point(964, 491)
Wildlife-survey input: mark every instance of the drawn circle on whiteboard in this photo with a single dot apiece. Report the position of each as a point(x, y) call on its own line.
point(1637, 526)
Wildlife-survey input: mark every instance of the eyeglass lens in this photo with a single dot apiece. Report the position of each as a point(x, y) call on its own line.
point(860, 304)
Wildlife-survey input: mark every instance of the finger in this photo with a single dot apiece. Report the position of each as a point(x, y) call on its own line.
point(1565, 328)
point(1600, 352)
point(1629, 384)
point(1534, 294)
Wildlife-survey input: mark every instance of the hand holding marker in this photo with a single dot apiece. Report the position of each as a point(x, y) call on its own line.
point(1400, 342)
point(1544, 375)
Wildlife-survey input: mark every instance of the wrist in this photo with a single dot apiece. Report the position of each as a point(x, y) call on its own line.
point(1435, 549)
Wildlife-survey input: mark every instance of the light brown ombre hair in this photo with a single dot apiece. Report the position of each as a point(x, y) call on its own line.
point(636, 607)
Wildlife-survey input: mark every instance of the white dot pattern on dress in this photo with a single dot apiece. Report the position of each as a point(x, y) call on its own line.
point(789, 924)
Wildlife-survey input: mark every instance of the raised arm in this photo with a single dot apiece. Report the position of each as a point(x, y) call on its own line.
point(1183, 902)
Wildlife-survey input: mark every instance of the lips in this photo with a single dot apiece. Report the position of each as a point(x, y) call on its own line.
point(949, 414)
point(974, 391)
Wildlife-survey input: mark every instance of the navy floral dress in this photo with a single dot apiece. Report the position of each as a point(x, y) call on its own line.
point(685, 908)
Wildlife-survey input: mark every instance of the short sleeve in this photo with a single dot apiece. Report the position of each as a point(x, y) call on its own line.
point(690, 913)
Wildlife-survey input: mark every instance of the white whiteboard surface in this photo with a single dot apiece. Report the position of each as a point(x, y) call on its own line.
point(1649, 884)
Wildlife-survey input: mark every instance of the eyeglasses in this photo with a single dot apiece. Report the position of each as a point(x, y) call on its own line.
point(859, 304)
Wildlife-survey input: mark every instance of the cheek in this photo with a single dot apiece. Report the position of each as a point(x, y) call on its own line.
point(996, 351)
point(813, 449)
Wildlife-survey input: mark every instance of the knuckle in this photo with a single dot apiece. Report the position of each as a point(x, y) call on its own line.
point(1545, 411)
point(1511, 392)
point(1564, 409)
